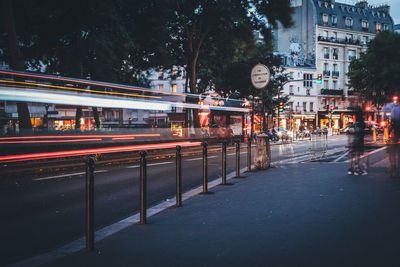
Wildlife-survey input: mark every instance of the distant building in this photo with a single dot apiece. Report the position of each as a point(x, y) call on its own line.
point(326, 36)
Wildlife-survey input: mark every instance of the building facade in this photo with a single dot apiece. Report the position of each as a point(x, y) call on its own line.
point(327, 35)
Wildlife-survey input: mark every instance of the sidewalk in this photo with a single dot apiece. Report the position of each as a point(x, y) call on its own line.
point(294, 215)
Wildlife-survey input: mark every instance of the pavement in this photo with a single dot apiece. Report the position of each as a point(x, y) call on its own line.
point(299, 214)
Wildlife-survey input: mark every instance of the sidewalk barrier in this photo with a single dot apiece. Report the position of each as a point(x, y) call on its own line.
point(268, 147)
point(238, 159)
point(318, 146)
point(178, 176)
point(89, 203)
point(143, 184)
point(249, 154)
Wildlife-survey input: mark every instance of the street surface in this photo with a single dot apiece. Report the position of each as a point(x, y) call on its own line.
point(43, 213)
point(296, 214)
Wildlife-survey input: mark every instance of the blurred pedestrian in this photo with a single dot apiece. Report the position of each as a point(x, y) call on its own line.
point(356, 134)
point(394, 147)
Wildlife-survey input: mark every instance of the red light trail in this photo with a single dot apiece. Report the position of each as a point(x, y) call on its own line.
point(82, 152)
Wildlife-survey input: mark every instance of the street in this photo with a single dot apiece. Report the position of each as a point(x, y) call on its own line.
point(42, 213)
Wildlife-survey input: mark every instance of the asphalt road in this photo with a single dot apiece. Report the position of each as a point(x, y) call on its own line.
point(40, 214)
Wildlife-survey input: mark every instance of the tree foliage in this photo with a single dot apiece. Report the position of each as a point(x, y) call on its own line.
point(376, 74)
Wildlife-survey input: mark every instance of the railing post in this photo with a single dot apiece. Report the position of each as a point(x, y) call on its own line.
point(224, 162)
point(89, 204)
point(205, 171)
point(237, 158)
point(249, 154)
point(178, 176)
point(143, 184)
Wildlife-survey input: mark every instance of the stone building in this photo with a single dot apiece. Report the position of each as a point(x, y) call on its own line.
point(327, 35)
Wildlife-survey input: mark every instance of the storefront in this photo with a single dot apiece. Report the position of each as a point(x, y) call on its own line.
point(177, 123)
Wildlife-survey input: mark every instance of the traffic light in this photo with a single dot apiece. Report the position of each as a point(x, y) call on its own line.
point(281, 106)
point(332, 109)
point(319, 79)
point(395, 99)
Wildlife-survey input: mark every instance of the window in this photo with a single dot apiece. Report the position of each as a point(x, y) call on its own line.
point(349, 22)
point(160, 75)
point(334, 20)
point(335, 53)
point(311, 106)
point(334, 36)
point(304, 106)
point(174, 88)
point(291, 90)
point(160, 87)
point(291, 75)
point(326, 67)
point(349, 37)
point(335, 67)
point(325, 19)
point(365, 39)
point(325, 84)
point(385, 27)
point(364, 24)
point(326, 34)
point(334, 85)
point(378, 27)
point(298, 89)
point(326, 52)
point(352, 54)
point(308, 92)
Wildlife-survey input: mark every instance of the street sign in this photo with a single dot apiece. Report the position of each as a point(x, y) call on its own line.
point(260, 76)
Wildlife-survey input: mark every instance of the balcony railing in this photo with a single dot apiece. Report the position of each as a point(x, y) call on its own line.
point(341, 41)
point(327, 73)
point(335, 73)
point(331, 92)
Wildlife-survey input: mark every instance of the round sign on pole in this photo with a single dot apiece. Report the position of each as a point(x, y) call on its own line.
point(260, 76)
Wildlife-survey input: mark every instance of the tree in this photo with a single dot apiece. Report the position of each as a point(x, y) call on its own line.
point(16, 59)
point(376, 74)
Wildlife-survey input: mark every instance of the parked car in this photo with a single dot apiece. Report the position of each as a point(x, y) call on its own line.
point(283, 134)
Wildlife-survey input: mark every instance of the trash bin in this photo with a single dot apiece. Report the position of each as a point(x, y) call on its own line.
point(260, 157)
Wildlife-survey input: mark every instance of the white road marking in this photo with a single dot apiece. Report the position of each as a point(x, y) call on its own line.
point(369, 153)
point(193, 159)
point(65, 175)
point(150, 164)
point(341, 156)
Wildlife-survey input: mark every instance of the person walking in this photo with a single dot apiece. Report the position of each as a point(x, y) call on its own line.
point(356, 134)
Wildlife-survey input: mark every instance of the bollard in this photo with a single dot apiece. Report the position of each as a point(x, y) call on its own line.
point(249, 154)
point(224, 144)
point(238, 159)
point(178, 176)
point(386, 134)
point(143, 183)
point(89, 204)
point(374, 134)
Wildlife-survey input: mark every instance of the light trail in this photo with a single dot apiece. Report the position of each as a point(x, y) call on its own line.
point(80, 136)
point(101, 101)
point(113, 85)
point(79, 89)
point(82, 152)
point(51, 141)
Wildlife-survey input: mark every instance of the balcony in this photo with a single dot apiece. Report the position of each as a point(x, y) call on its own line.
point(332, 92)
point(327, 73)
point(340, 40)
point(335, 74)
